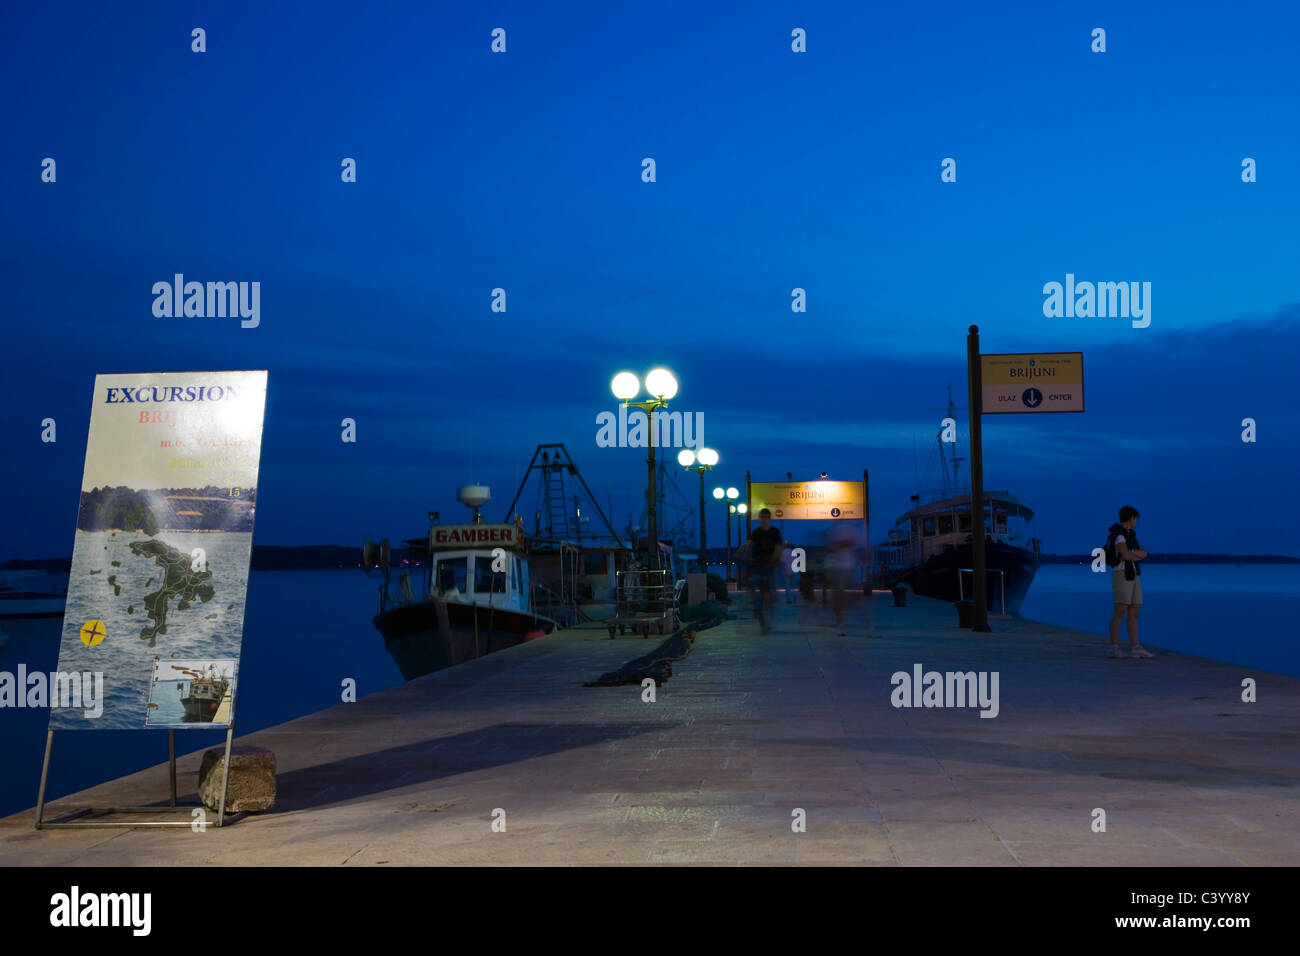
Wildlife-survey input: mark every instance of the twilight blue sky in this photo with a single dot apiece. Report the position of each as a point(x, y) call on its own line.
point(775, 170)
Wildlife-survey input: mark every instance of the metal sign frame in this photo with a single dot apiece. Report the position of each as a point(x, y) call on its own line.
point(72, 820)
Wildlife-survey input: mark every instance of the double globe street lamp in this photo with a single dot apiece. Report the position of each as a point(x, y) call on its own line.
point(661, 385)
point(700, 461)
point(729, 495)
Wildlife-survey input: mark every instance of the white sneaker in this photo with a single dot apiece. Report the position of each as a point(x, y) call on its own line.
point(1114, 650)
point(1137, 650)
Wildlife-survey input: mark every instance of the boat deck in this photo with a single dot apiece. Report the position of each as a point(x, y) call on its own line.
point(748, 730)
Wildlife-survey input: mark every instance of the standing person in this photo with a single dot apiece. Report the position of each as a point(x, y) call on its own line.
point(787, 571)
point(741, 557)
point(840, 543)
point(764, 559)
point(1123, 554)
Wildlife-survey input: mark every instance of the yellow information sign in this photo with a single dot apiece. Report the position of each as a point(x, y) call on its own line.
point(810, 500)
point(1032, 382)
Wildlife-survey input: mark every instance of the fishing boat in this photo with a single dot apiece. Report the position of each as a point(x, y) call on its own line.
point(472, 594)
point(205, 697)
point(930, 549)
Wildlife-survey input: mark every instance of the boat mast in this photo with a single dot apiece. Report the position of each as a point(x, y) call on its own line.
point(950, 459)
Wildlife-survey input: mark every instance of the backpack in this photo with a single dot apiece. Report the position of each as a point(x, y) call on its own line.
point(1112, 554)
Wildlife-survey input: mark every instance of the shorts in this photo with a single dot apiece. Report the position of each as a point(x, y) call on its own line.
point(761, 576)
point(1126, 592)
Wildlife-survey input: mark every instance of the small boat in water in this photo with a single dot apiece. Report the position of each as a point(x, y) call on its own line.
point(475, 594)
point(930, 547)
point(19, 600)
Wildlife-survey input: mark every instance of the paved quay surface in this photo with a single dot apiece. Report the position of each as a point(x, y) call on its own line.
point(748, 729)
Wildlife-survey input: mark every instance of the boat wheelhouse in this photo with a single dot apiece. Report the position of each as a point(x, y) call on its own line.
point(473, 597)
point(930, 547)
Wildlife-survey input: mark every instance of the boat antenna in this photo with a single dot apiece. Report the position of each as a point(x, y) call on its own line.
point(950, 459)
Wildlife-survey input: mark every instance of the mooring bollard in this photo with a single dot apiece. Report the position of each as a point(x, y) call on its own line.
point(965, 613)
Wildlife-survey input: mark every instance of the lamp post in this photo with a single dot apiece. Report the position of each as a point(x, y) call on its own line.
point(719, 494)
point(729, 495)
point(700, 462)
point(731, 510)
point(661, 386)
point(742, 510)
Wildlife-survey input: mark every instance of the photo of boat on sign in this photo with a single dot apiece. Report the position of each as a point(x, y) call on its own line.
point(191, 692)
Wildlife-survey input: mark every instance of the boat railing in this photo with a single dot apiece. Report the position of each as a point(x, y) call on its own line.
point(558, 606)
point(894, 557)
point(396, 591)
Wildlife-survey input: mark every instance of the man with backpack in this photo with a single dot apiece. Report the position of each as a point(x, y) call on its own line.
point(1123, 554)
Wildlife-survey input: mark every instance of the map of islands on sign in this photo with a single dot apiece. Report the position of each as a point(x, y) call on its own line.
point(181, 581)
point(178, 580)
point(164, 536)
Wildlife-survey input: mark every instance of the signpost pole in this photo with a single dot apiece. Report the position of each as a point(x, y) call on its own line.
point(981, 619)
point(749, 507)
point(704, 548)
point(651, 496)
point(866, 530)
point(726, 513)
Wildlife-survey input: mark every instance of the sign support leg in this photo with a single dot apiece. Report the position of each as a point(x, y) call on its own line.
point(72, 819)
point(45, 773)
point(225, 776)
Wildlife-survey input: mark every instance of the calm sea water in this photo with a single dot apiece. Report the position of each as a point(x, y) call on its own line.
point(306, 631)
point(1243, 615)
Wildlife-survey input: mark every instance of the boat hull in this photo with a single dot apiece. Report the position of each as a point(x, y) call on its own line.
point(433, 635)
point(938, 578)
point(202, 703)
